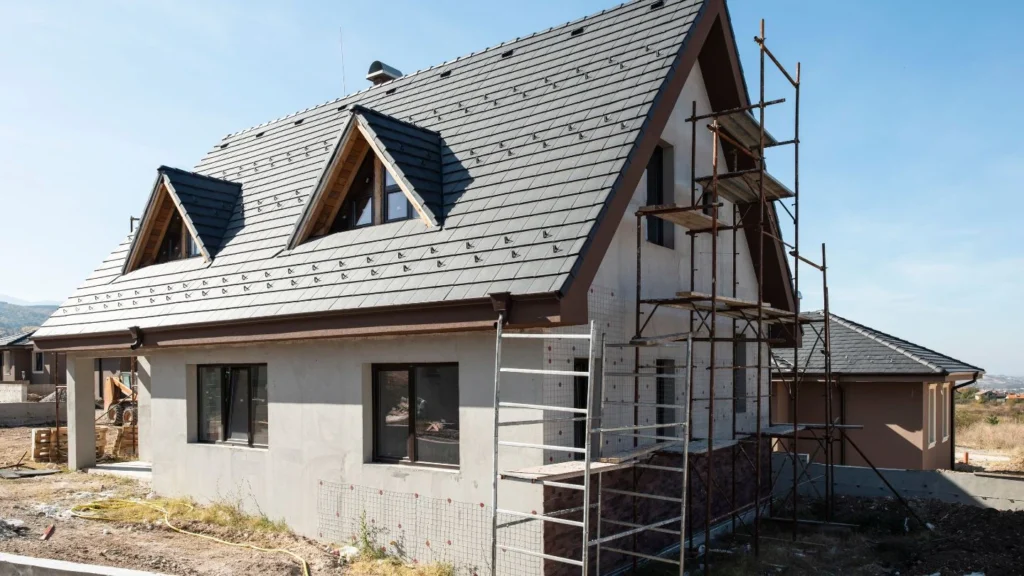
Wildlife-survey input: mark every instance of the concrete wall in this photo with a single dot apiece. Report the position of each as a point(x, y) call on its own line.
point(30, 414)
point(13, 392)
point(320, 424)
point(976, 489)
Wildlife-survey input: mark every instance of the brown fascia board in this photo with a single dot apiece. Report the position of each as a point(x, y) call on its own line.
point(841, 378)
point(622, 191)
point(539, 311)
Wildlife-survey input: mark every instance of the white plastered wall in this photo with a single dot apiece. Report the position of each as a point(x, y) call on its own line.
point(320, 439)
point(665, 272)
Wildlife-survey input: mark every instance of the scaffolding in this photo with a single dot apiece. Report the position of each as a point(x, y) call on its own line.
point(753, 195)
point(595, 462)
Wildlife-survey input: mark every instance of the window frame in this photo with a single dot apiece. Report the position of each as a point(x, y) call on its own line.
point(932, 421)
point(660, 191)
point(225, 402)
point(946, 408)
point(410, 446)
point(739, 375)
point(386, 191)
point(664, 414)
point(38, 359)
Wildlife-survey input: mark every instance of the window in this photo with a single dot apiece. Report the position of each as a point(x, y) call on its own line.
point(931, 416)
point(946, 409)
point(177, 243)
point(739, 376)
point(37, 362)
point(359, 208)
point(416, 413)
point(666, 394)
point(232, 404)
point(579, 401)
point(658, 231)
point(396, 205)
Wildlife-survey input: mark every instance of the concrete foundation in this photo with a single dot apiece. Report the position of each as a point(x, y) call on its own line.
point(30, 414)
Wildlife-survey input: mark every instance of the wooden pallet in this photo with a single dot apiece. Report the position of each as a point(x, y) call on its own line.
point(125, 441)
point(45, 447)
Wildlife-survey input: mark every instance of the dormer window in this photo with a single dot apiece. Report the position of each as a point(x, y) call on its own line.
point(371, 187)
point(177, 243)
point(186, 216)
point(381, 170)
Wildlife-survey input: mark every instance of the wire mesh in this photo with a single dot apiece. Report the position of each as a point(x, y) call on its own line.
point(423, 530)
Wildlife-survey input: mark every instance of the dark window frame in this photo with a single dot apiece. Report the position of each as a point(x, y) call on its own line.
point(38, 362)
point(345, 219)
point(225, 403)
point(662, 414)
point(660, 190)
point(186, 246)
point(410, 459)
point(739, 377)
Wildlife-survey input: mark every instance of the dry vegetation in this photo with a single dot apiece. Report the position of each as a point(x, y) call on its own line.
point(128, 529)
point(993, 427)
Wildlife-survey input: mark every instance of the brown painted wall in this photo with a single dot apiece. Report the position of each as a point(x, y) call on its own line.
point(20, 361)
point(894, 416)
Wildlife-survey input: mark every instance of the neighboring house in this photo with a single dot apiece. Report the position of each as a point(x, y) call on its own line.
point(24, 369)
point(23, 362)
point(900, 392)
point(287, 297)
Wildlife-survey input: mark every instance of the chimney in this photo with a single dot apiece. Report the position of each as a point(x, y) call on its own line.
point(381, 72)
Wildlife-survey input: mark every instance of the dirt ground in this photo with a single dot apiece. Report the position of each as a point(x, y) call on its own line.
point(886, 542)
point(42, 501)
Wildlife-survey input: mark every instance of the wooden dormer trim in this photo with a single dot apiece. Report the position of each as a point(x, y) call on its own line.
point(163, 202)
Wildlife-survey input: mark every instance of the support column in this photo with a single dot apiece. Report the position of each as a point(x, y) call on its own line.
point(144, 393)
point(81, 413)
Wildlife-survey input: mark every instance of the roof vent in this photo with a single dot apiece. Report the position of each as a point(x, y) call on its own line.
point(657, 4)
point(507, 53)
point(576, 32)
point(380, 72)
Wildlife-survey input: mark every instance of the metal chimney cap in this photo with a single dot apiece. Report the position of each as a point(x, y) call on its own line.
point(380, 72)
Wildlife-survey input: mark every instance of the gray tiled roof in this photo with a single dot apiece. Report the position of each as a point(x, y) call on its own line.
point(857, 349)
point(534, 134)
point(21, 339)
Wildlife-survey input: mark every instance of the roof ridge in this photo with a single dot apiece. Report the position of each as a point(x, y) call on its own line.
point(358, 108)
point(432, 67)
point(864, 330)
point(164, 167)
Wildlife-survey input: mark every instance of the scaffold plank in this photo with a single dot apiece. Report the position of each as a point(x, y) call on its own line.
point(562, 470)
point(636, 452)
point(685, 216)
point(741, 187)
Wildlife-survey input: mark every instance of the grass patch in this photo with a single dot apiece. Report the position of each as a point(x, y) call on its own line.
point(227, 514)
point(391, 566)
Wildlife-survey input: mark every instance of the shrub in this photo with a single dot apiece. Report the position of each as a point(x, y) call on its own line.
point(992, 419)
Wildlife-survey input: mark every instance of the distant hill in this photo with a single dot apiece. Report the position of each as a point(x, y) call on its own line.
point(15, 318)
point(20, 302)
point(999, 382)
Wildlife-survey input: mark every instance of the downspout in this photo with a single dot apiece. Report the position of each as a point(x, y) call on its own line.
point(952, 419)
point(136, 333)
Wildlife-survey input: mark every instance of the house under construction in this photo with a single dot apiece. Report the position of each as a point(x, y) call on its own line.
point(566, 245)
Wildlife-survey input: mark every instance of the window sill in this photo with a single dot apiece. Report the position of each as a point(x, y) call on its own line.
point(232, 445)
point(414, 466)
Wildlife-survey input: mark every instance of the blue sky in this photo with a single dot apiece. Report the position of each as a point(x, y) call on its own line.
point(907, 161)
